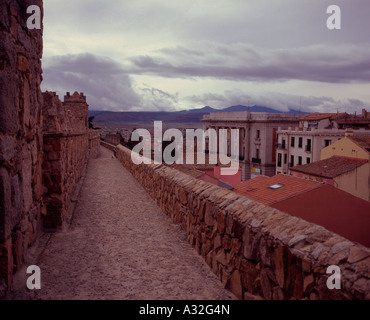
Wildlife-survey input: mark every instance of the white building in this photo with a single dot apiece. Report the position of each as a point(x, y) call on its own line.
point(257, 137)
point(303, 144)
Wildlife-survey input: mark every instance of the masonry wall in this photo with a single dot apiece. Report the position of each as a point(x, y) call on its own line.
point(68, 145)
point(21, 139)
point(254, 249)
point(44, 145)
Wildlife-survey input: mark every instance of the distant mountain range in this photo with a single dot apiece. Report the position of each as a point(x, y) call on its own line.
point(184, 116)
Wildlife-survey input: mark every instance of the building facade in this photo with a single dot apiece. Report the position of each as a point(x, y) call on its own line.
point(257, 137)
point(302, 145)
point(357, 147)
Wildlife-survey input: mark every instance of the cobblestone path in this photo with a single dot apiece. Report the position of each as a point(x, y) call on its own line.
point(120, 245)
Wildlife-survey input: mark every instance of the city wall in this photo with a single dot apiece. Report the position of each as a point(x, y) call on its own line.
point(68, 145)
point(254, 250)
point(44, 144)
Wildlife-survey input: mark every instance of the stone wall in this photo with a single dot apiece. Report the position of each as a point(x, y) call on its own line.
point(109, 146)
point(112, 138)
point(44, 144)
point(21, 138)
point(255, 250)
point(68, 145)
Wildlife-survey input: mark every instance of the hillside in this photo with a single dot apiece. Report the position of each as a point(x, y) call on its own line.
point(184, 116)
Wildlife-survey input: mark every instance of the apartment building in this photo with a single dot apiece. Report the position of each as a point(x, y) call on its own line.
point(302, 145)
point(257, 138)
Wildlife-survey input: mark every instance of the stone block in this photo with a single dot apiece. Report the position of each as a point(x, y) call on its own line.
point(23, 64)
point(357, 254)
point(16, 198)
point(249, 273)
point(279, 262)
point(226, 242)
point(208, 214)
point(266, 285)
point(7, 148)
point(6, 261)
point(18, 251)
point(221, 222)
point(308, 284)
point(235, 285)
point(9, 103)
point(5, 205)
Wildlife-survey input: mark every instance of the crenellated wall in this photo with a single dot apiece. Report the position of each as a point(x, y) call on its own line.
point(255, 250)
point(44, 144)
point(68, 145)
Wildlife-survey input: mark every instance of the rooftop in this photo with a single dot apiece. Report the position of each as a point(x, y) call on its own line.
point(334, 209)
point(320, 116)
point(363, 141)
point(270, 190)
point(331, 167)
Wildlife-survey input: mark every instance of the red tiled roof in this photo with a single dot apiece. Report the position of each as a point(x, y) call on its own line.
point(320, 116)
point(363, 141)
point(331, 167)
point(334, 209)
point(259, 188)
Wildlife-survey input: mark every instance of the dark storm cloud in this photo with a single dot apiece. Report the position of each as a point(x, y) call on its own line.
point(102, 79)
point(242, 62)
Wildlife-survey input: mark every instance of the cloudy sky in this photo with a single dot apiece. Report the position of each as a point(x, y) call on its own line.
point(174, 55)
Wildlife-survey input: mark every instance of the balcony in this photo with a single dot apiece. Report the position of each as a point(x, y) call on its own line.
point(281, 146)
point(256, 160)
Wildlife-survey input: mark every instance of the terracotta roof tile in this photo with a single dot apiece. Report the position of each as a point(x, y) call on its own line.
point(334, 209)
point(259, 188)
point(320, 116)
point(362, 141)
point(331, 167)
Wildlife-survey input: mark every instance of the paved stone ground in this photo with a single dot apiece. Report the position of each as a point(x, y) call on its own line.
point(120, 245)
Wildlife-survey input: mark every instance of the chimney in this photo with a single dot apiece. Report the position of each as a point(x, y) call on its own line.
point(349, 132)
point(364, 113)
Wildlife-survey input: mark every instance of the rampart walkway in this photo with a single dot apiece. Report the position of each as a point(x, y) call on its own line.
point(120, 245)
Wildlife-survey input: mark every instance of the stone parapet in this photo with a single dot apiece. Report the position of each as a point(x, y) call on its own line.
point(255, 250)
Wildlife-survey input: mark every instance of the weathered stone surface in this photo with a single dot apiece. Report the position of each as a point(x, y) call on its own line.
point(308, 284)
point(292, 254)
point(5, 205)
point(6, 261)
point(7, 148)
point(357, 254)
point(235, 284)
point(279, 263)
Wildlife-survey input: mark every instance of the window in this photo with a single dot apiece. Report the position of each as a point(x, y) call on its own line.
point(283, 144)
point(258, 134)
point(308, 146)
point(299, 160)
point(257, 153)
point(292, 161)
point(285, 158)
point(300, 142)
point(327, 142)
point(279, 159)
point(276, 186)
point(308, 160)
point(292, 142)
